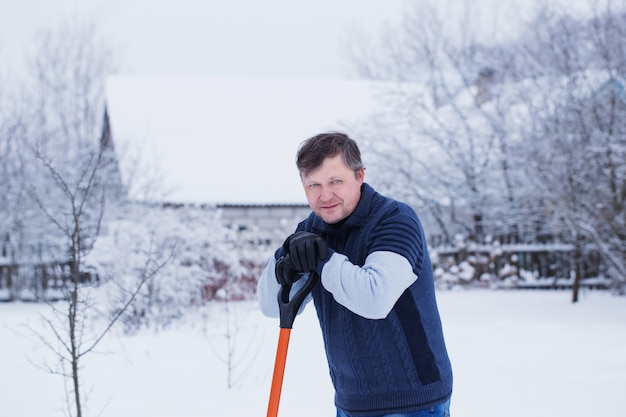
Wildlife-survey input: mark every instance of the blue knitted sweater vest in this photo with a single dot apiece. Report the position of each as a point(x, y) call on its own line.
point(400, 363)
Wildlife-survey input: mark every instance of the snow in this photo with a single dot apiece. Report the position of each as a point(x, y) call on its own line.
point(514, 353)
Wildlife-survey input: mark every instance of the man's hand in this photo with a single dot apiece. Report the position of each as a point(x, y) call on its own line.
point(285, 273)
point(305, 250)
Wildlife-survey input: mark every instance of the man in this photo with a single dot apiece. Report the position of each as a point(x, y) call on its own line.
point(375, 299)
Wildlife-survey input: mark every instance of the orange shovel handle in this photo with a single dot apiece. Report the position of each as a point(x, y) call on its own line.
point(279, 372)
point(288, 306)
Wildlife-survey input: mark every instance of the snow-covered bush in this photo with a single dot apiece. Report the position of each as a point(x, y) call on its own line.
point(186, 256)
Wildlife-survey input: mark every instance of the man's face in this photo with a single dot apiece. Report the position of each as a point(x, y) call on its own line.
point(333, 190)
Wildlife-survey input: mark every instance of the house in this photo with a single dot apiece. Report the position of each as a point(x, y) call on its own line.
point(226, 142)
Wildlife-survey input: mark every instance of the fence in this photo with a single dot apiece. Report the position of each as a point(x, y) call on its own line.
point(37, 281)
point(526, 266)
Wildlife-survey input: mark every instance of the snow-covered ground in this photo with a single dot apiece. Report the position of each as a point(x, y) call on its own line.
point(514, 353)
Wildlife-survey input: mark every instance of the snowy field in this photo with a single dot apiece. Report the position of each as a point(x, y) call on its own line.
point(514, 354)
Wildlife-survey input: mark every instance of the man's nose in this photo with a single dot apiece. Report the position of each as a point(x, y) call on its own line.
point(326, 194)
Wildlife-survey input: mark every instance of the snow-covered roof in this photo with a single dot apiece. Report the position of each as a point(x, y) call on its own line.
point(228, 140)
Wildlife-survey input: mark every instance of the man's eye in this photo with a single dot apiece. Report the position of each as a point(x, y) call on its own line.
point(313, 185)
point(336, 181)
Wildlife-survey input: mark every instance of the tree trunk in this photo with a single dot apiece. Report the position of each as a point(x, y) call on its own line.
point(578, 264)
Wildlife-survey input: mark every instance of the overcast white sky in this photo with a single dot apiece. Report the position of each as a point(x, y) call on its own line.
point(252, 38)
point(278, 38)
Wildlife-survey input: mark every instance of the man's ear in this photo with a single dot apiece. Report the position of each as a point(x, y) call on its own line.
point(360, 174)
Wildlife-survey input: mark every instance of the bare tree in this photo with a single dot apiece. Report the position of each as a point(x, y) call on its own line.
point(16, 207)
point(238, 340)
point(446, 133)
point(73, 183)
point(582, 170)
point(73, 337)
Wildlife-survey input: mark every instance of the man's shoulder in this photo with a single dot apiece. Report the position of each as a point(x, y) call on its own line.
point(390, 206)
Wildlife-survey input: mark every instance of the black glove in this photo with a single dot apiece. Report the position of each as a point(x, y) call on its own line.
point(306, 250)
point(286, 275)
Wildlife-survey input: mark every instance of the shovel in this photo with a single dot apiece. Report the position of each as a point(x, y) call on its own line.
point(288, 310)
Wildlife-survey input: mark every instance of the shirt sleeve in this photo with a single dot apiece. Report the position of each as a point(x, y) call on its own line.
point(372, 290)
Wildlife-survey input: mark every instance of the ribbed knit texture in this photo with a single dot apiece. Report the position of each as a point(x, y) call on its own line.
point(398, 364)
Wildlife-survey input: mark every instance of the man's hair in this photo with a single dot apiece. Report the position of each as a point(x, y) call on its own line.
point(313, 151)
